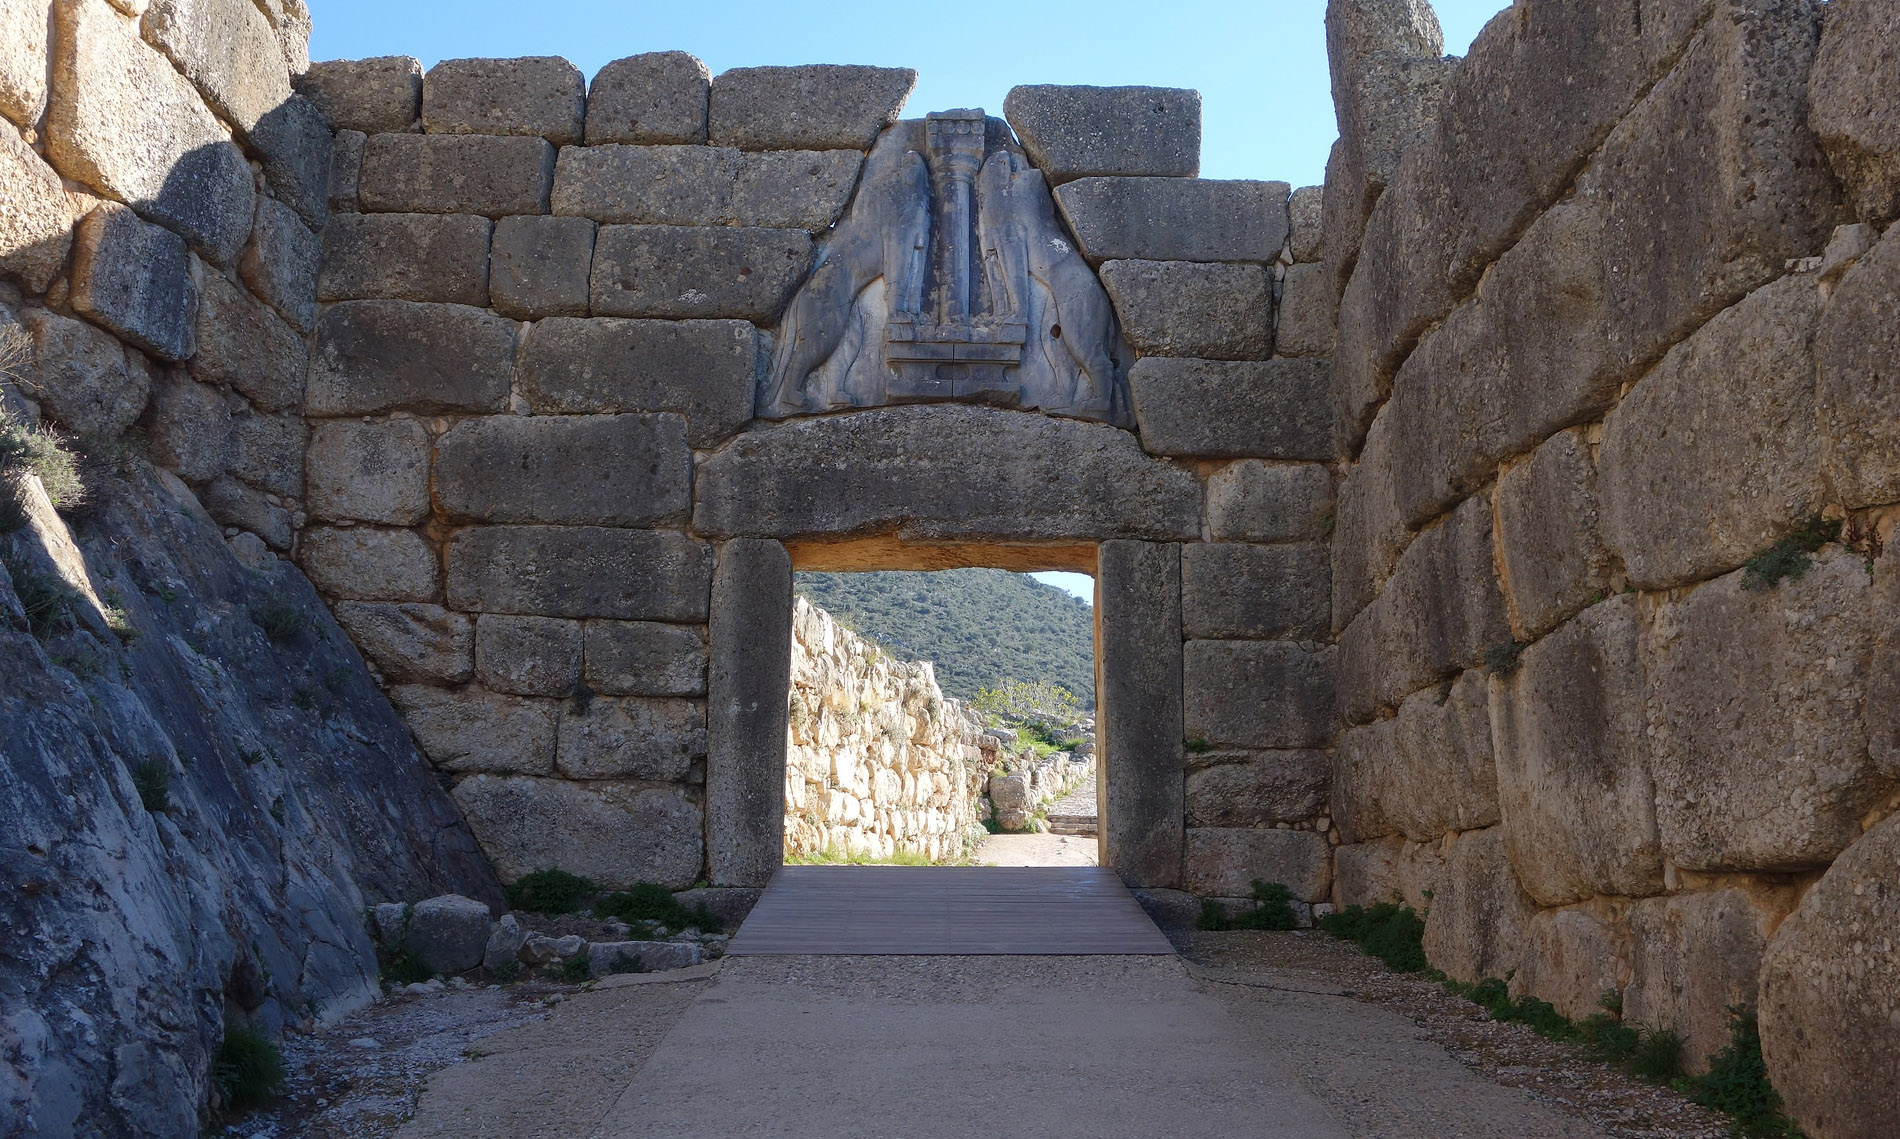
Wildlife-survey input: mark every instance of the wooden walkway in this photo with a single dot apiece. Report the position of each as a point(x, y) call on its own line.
point(947, 910)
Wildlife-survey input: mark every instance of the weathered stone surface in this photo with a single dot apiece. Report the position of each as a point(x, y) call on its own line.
point(374, 356)
point(1307, 234)
point(456, 174)
point(1231, 591)
point(539, 266)
point(1859, 410)
point(1756, 706)
point(1573, 762)
point(1075, 132)
point(281, 264)
point(81, 377)
point(410, 643)
point(375, 96)
point(1830, 1024)
point(1367, 873)
point(1480, 916)
point(410, 257)
point(1694, 956)
point(631, 737)
point(1139, 588)
point(646, 185)
point(938, 473)
point(1552, 551)
point(1308, 314)
point(640, 658)
point(472, 730)
point(654, 98)
point(1252, 501)
point(528, 656)
point(1266, 409)
point(125, 122)
point(804, 189)
point(534, 95)
point(607, 470)
point(1851, 92)
point(579, 571)
point(604, 958)
point(227, 49)
point(1713, 455)
point(1427, 771)
point(448, 934)
point(1256, 789)
point(702, 369)
point(190, 428)
point(1571, 958)
point(1369, 531)
point(267, 451)
point(504, 944)
point(35, 216)
point(746, 713)
point(697, 271)
point(618, 834)
point(1176, 219)
point(244, 344)
point(1225, 862)
point(346, 171)
point(298, 152)
point(1214, 312)
point(369, 471)
point(821, 107)
point(1258, 694)
point(134, 278)
point(369, 564)
point(23, 43)
point(233, 503)
point(1367, 775)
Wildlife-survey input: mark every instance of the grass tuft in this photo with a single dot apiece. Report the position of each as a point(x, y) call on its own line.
point(153, 778)
point(1504, 657)
point(550, 892)
point(1273, 911)
point(1392, 933)
point(650, 902)
point(47, 600)
point(281, 622)
point(29, 449)
point(248, 1070)
point(1737, 1083)
point(1791, 557)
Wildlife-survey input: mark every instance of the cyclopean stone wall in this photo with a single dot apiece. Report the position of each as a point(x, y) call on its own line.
point(1618, 320)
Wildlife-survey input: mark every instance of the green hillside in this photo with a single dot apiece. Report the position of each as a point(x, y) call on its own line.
point(980, 626)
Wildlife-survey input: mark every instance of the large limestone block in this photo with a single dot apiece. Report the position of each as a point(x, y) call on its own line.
point(1714, 454)
point(281, 264)
point(747, 715)
point(1075, 132)
point(1759, 713)
point(35, 215)
point(943, 473)
point(1424, 772)
point(1225, 862)
point(1254, 501)
point(227, 49)
point(376, 96)
point(244, 344)
point(1306, 234)
point(1852, 91)
point(697, 271)
point(1232, 591)
point(190, 428)
point(1308, 315)
point(642, 658)
point(528, 656)
point(1696, 955)
point(619, 834)
point(804, 189)
point(1859, 409)
point(369, 564)
point(1573, 762)
point(1550, 543)
point(1139, 733)
point(605, 470)
point(1257, 789)
point(448, 934)
point(1572, 959)
point(1367, 873)
point(135, 279)
point(125, 122)
point(1258, 694)
point(82, 378)
point(702, 369)
point(375, 471)
point(1366, 774)
point(534, 95)
point(1369, 532)
point(411, 643)
point(375, 356)
point(631, 737)
point(539, 266)
point(1266, 409)
point(471, 730)
point(409, 257)
point(1480, 916)
point(646, 185)
point(654, 98)
point(579, 571)
point(1176, 219)
point(23, 43)
point(267, 451)
point(821, 107)
point(456, 174)
point(298, 150)
point(1180, 308)
point(1830, 996)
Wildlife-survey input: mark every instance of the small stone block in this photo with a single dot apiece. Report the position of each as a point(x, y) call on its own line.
point(534, 95)
point(580, 571)
point(821, 107)
point(375, 96)
point(1176, 219)
point(1179, 308)
point(609, 470)
point(1075, 132)
point(646, 185)
point(369, 472)
point(640, 658)
point(1241, 592)
point(456, 174)
point(698, 271)
point(134, 278)
point(375, 356)
point(655, 98)
point(702, 369)
point(528, 656)
point(539, 266)
point(410, 257)
point(1252, 501)
point(368, 564)
point(1270, 409)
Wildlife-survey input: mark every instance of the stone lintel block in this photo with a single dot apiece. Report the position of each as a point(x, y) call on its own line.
point(654, 98)
point(646, 185)
point(135, 279)
point(493, 176)
point(1176, 219)
point(746, 714)
point(376, 356)
point(697, 271)
point(528, 656)
point(702, 369)
point(618, 833)
point(1181, 308)
point(1309, 312)
point(1255, 501)
point(539, 266)
point(374, 471)
point(632, 737)
point(1550, 543)
point(375, 96)
point(471, 730)
point(603, 470)
point(1258, 694)
point(409, 257)
point(1224, 862)
point(794, 189)
point(1234, 591)
point(1257, 788)
point(36, 219)
point(1852, 84)
point(281, 264)
point(370, 564)
point(533, 95)
point(1859, 413)
point(580, 571)
point(244, 344)
point(1074, 132)
point(1480, 917)
point(1140, 713)
point(643, 658)
point(1257, 409)
point(819, 107)
point(411, 642)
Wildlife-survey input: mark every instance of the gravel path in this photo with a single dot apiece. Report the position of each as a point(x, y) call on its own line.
point(1035, 850)
point(1080, 802)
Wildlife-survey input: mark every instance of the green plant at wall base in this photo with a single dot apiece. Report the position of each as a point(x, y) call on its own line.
point(1494, 996)
point(1737, 1083)
point(550, 892)
point(507, 972)
point(153, 779)
point(1273, 910)
point(28, 449)
point(648, 901)
point(1504, 657)
point(1198, 746)
point(405, 968)
point(1213, 917)
point(248, 1070)
point(624, 962)
point(1791, 557)
point(46, 600)
point(1392, 933)
point(281, 623)
point(574, 970)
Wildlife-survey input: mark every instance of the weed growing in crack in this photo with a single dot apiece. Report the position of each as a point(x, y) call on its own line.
point(280, 622)
point(1394, 934)
point(248, 1070)
point(1791, 557)
point(153, 779)
point(1737, 1083)
point(1503, 657)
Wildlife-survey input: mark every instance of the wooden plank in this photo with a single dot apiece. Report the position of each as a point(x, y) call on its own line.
point(947, 910)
